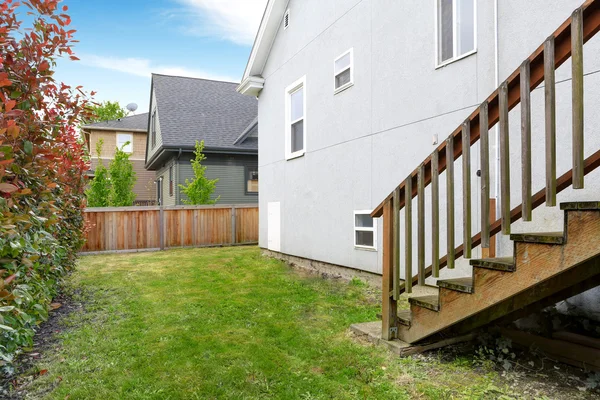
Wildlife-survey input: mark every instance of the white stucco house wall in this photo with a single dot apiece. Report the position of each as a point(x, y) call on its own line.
point(355, 94)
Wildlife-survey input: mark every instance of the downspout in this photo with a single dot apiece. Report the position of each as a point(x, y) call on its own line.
point(497, 84)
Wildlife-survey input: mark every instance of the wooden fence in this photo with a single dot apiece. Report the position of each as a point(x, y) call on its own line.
point(159, 228)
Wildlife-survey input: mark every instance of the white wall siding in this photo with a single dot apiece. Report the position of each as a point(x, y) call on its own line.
point(364, 141)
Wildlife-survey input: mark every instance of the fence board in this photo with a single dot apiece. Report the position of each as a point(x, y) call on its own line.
point(138, 228)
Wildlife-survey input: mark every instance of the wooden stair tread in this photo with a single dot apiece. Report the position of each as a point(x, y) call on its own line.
point(580, 205)
point(404, 317)
point(539, 237)
point(499, 263)
point(429, 302)
point(464, 285)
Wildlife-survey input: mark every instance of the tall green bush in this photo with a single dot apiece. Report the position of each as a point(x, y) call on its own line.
point(122, 180)
point(199, 189)
point(42, 168)
point(97, 194)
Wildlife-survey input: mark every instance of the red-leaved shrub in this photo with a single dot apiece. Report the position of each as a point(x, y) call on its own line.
point(42, 167)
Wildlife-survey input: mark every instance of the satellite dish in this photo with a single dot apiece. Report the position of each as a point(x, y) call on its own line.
point(132, 107)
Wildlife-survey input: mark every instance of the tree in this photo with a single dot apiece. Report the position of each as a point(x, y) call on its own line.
point(98, 192)
point(122, 180)
point(199, 190)
point(107, 111)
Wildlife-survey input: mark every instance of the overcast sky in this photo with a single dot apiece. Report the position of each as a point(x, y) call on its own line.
point(123, 41)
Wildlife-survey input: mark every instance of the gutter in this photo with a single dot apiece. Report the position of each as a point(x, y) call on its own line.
point(190, 149)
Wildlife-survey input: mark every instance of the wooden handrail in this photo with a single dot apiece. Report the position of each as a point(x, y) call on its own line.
point(562, 40)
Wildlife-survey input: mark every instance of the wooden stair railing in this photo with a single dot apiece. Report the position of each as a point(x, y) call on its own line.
point(566, 42)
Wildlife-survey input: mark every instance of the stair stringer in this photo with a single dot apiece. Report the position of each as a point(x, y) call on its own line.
point(537, 266)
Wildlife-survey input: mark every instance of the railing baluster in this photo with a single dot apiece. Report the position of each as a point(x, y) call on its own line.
point(526, 140)
point(435, 214)
point(550, 121)
point(577, 69)
point(504, 158)
point(466, 172)
point(421, 224)
point(396, 238)
point(484, 148)
point(408, 234)
point(450, 201)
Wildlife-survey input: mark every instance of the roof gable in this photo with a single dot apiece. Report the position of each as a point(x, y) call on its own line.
point(194, 109)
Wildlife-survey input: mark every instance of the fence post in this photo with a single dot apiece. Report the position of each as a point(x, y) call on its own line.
point(233, 227)
point(161, 224)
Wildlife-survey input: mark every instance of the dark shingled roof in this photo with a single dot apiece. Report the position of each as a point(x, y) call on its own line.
point(191, 109)
point(139, 121)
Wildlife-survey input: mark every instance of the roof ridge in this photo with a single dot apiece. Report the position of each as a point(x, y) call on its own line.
point(197, 79)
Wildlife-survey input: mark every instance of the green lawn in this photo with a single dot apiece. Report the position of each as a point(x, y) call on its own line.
point(228, 323)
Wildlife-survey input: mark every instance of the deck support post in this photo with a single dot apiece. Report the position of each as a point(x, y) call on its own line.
point(389, 320)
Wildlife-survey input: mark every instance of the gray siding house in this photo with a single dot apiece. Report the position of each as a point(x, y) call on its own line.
point(186, 110)
point(354, 94)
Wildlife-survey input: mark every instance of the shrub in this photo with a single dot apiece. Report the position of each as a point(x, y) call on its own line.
point(122, 180)
point(42, 169)
point(199, 189)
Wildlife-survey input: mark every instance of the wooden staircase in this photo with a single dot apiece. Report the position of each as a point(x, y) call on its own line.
point(546, 267)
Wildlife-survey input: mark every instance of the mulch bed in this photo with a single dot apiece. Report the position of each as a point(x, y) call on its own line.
point(14, 387)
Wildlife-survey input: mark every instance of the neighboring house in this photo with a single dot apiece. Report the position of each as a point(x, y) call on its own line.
point(186, 110)
point(354, 94)
point(115, 134)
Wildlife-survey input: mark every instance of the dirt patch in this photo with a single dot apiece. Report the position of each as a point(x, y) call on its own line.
point(14, 387)
point(532, 375)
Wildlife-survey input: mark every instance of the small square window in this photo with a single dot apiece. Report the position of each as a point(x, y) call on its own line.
point(251, 180)
point(456, 29)
point(125, 142)
point(344, 71)
point(295, 100)
point(365, 230)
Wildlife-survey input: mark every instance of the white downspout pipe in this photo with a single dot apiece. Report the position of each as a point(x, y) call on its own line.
point(497, 84)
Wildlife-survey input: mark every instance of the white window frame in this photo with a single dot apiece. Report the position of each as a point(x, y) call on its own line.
point(129, 139)
point(350, 67)
point(364, 229)
point(291, 89)
point(455, 57)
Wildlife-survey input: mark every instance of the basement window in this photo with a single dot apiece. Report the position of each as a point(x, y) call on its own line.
point(456, 30)
point(365, 231)
point(343, 71)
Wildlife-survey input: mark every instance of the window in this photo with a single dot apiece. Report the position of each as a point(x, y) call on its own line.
point(153, 128)
point(343, 70)
point(365, 230)
point(286, 19)
point(170, 181)
point(456, 29)
point(251, 180)
point(295, 100)
point(125, 141)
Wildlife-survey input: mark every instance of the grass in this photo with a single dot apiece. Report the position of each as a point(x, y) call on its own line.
point(228, 323)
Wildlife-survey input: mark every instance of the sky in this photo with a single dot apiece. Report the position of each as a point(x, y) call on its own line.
point(121, 42)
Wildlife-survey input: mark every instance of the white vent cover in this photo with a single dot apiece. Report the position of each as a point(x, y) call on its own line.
point(286, 19)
